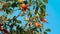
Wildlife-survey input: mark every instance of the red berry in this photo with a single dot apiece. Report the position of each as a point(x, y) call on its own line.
point(1, 28)
point(5, 31)
point(24, 7)
point(44, 20)
point(1, 24)
point(37, 24)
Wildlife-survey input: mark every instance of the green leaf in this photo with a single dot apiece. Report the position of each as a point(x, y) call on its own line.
point(30, 2)
point(15, 0)
point(29, 14)
point(40, 3)
point(25, 2)
point(48, 30)
point(14, 18)
point(45, 32)
point(46, 1)
point(14, 4)
point(43, 10)
point(18, 21)
point(43, 6)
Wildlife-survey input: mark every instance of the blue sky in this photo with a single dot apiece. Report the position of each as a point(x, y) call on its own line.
point(53, 10)
point(53, 16)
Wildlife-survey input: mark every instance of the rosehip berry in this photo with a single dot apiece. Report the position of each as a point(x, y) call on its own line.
point(24, 7)
point(37, 24)
point(5, 31)
point(1, 24)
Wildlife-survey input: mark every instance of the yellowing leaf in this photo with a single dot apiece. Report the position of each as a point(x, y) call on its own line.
point(21, 0)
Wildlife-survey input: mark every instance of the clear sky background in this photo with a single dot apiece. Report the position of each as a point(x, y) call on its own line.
point(53, 11)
